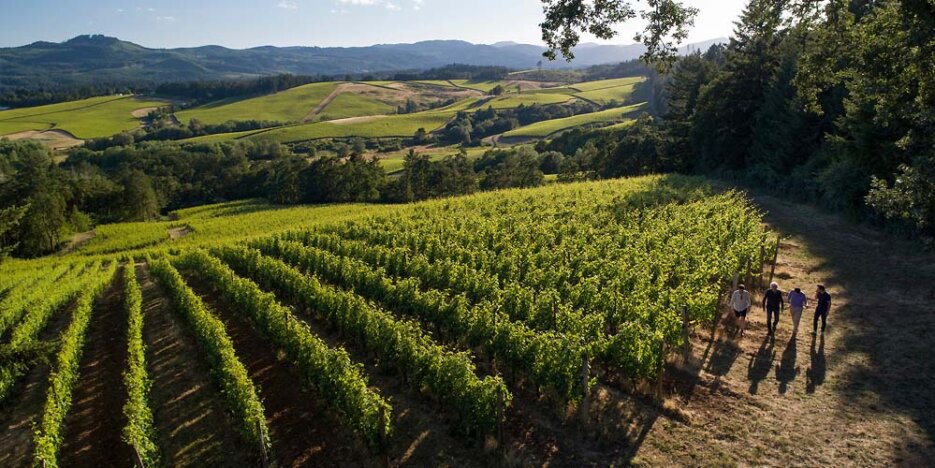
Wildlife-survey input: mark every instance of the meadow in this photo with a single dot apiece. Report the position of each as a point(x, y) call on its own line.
point(551, 127)
point(285, 106)
point(86, 118)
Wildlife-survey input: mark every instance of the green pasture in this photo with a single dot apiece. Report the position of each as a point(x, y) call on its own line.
point(549, 127)
point(285, 106)
point(86, 118)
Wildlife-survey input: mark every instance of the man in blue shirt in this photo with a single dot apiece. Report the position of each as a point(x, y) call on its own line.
point(822, 309)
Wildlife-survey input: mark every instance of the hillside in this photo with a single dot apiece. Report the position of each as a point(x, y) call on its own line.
point(755, 400)
point(100, 59)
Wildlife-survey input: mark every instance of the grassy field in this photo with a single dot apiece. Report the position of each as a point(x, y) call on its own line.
point(285, 106)
point(603, 84)
point(509, 101)
point(219, 137)
point(483, 86)
point(604, 96)
point(549, 127)
point(353, 105)
point(403, 125)
point(86, 118)
point(393, 162)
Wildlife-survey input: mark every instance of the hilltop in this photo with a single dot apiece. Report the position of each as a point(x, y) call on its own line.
point(98, 59)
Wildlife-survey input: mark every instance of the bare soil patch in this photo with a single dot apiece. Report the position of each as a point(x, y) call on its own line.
point(302, 431)
point(192, 425)
point(93, 426)
point(78, 240)
point(53, 138)
point(179, 232)
point(143, 112)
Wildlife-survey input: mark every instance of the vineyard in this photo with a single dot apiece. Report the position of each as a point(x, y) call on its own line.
point(436, 333)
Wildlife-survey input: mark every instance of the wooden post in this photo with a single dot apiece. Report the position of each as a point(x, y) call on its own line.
point(384, 448)
point(137, 459)
point(772, 270)
point(686, 346)
point(264, 460)
point(661, 370)
point(759, 271)
point(748, 282)
point(585, 374)
point(736, 280)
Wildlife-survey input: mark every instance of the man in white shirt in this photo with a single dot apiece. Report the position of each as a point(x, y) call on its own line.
point(740, 303)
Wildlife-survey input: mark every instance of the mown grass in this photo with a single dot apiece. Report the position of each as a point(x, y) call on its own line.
point(86, 118)
point(549, 127)
point(285, 106)
point(603, 84)
point(403, 125)
point(509, 101)
point(354, 105)
point(483, 86)
point(607, 95)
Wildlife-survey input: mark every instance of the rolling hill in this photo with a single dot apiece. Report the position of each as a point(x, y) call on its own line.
point(100, 59)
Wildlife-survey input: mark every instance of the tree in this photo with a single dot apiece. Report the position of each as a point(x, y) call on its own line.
point(10, 218)
point(667, 23)
point(139, 197)
point(43, 224)
point(727, 107)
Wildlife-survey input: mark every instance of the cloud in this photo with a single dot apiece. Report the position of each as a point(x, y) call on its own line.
point(388, 4)
point(287, 5)
point(165, 18)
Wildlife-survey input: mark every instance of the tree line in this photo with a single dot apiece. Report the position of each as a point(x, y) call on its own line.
point(43, 201)
point(828, 102)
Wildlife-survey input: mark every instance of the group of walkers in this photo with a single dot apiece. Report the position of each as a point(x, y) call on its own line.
point(774, 302)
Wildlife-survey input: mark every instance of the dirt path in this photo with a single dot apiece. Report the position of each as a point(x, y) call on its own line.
point(24, 407)
point(303, 433)
point(77, 241)
point(95, 421)
point(192, 425)
point(864, 394)
point(324, 103)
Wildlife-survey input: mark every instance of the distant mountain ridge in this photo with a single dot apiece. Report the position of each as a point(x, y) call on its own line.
point(101, 59)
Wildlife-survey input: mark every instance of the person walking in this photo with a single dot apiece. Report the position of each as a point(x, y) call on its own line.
point(821, 309)
point(773, 303)
point(798, 301)
point(740, 303)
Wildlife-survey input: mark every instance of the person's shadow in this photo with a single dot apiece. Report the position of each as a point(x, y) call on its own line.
point(815, 375)
point(761, 363)
point(786, 371)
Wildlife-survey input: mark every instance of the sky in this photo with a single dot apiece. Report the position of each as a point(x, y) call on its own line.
point(243, 23)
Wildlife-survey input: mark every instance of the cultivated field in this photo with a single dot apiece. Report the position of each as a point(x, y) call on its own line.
point(519, 327)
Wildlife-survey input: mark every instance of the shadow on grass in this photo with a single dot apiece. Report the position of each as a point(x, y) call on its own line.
point(882, 317)
point(761, 363)
point(787, 370)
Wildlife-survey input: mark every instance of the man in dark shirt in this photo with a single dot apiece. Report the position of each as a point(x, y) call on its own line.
point(822, 309)
point(773, 303)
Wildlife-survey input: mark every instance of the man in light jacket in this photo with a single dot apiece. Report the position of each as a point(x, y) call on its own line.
point(740, 303)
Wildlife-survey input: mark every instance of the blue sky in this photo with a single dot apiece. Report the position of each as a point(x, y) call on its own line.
point(243, 23)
